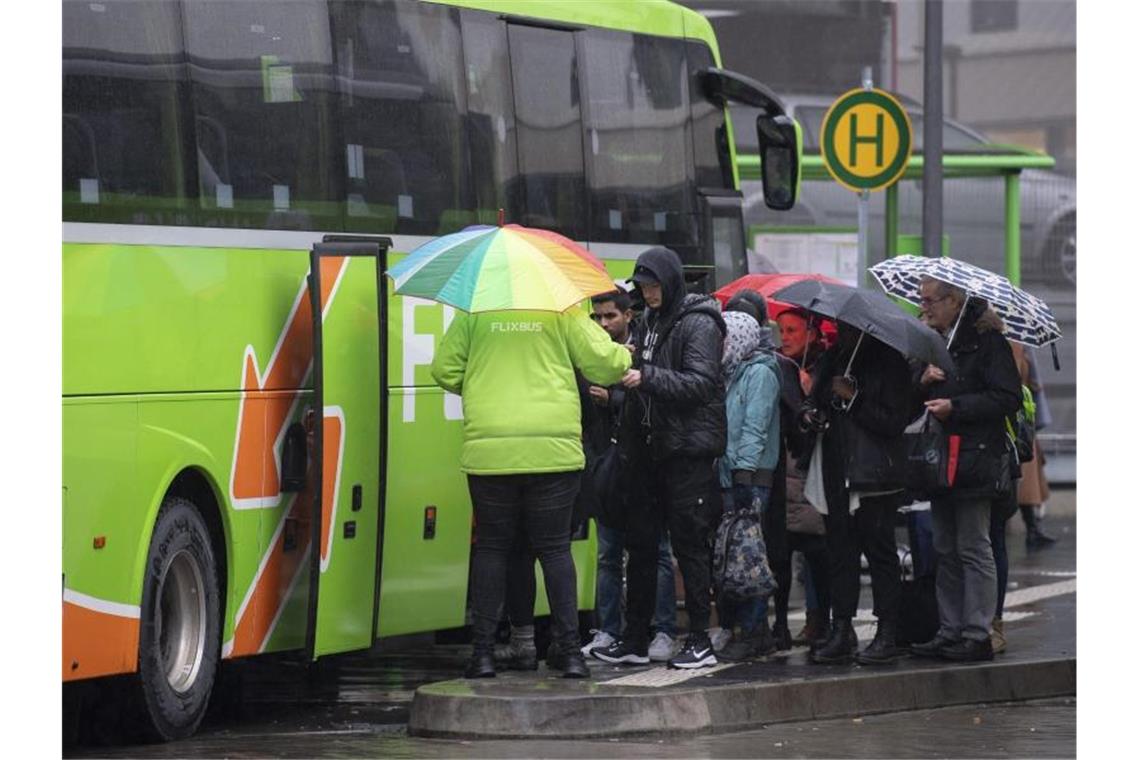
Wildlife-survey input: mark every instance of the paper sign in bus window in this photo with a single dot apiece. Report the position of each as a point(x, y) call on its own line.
point(404, 206)
point(281, 197)
point(224, 195)
point(355, 155)
point(88, 190)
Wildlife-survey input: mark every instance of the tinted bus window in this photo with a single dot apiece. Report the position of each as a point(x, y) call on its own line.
point(490, 119)
point(638, 146)
point(710, 136)
point(268, 153)
point(549, 122)
point(400, 70)
point(127, 145)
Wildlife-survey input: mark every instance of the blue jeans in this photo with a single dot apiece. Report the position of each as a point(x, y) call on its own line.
point(611, 547)
point(748, 614)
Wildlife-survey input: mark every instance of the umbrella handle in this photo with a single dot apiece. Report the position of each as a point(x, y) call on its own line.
point(1056, 361)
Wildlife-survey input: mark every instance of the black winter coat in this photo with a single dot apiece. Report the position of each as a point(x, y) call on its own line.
point(984, 389)
point(863, 445)
point(679, 354)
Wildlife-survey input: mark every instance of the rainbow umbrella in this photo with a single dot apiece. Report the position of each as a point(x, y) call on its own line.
point(485, 268)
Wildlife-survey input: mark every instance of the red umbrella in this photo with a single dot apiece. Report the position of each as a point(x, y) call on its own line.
point(767, 284)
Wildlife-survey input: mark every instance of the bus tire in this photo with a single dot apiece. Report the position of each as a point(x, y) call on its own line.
point(180, 623)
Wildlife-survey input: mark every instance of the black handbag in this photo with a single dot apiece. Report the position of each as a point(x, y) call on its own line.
point(599, 496)
point(931, 457)
point(918, 610)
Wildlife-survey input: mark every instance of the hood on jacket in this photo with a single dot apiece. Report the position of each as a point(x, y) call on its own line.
point(977, 317)
point(665, 265)
point(741, 341)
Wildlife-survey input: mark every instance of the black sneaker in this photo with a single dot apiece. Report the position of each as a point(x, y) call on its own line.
point(623, 653)
point(697, 653)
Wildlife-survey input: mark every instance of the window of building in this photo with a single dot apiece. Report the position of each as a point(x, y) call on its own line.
point(993, 15)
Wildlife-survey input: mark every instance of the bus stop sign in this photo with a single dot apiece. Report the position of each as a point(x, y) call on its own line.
point(866, 139)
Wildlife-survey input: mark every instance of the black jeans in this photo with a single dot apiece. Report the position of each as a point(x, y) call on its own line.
point(998, 519)
point(870, 531)
point(541, 504)
point(684, 496)
point(814, 549)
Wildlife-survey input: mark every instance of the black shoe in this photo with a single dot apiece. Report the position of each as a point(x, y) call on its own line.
point(969, 650)
point(815, 627)
point(514, 656)
point(932, 648)
point(697, 653)
point(826, 630)
point(742, 647)
point(623, 653)
point(571, 663)
point(781, 637)
point(883, 648)
point(1038, 539)
point(840, 647)
point(1035, 538)
point(481, 665)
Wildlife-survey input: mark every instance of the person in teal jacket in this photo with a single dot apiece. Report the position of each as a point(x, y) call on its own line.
point(749, 463)
point(522, 453)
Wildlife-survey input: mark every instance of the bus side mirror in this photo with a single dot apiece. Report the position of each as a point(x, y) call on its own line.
point(781, 147)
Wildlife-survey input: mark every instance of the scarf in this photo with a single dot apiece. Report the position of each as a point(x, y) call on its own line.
point(743, 341)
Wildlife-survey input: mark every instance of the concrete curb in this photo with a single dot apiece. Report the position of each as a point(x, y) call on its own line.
point(576, 710)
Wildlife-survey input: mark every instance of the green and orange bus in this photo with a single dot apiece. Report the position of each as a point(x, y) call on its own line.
point(255, 458)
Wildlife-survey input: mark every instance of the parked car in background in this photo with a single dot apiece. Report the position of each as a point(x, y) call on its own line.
point(973, 208)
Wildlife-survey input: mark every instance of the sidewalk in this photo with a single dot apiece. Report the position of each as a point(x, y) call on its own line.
point(1040, 662)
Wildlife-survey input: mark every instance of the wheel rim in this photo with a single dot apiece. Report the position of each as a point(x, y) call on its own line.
point(182, 621)
point(1068, 257)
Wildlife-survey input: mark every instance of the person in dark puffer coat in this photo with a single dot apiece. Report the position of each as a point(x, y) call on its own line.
point(677, 427)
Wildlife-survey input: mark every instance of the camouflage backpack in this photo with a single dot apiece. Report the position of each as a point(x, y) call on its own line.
point(740, 559)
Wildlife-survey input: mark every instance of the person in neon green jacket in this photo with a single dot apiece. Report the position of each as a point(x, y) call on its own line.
point(522, 452)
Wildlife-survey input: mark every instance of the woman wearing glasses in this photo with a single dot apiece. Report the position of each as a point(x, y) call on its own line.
point(860, 403)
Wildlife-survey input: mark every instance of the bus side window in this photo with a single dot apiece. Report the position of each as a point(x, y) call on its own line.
point(400, 104)
point(264, 102)
point(125, 156)
point(638, 146)
point(544, 71)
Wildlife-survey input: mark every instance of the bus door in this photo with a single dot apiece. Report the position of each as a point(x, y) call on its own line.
point(347, 454)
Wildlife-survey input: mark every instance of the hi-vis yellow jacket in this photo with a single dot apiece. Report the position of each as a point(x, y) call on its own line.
point(515, 372)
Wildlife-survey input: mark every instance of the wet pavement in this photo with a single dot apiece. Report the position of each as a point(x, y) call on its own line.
point(1037, 729)
point(358, 704)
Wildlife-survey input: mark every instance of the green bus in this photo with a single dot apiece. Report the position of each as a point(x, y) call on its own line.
point(255, 458)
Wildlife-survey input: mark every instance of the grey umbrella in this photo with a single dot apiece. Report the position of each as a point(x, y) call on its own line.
point(872, 313)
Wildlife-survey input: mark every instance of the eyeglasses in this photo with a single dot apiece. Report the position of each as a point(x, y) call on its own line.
point(931, 301)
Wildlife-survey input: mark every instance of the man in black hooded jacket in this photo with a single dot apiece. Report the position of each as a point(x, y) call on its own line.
point(676, 426)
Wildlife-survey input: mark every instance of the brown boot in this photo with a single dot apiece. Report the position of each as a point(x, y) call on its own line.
point(814, 628)
point(997, 636)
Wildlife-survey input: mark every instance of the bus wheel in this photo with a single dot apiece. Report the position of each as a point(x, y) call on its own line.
point(180, 625)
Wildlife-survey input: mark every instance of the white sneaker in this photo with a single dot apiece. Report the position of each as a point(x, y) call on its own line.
point(662, 648)
point(719, 637)
point(601, 639)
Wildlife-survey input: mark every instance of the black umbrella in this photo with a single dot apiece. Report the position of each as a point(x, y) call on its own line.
point(872, 313)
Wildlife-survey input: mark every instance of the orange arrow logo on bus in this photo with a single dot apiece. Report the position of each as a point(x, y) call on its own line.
point(269, 400)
